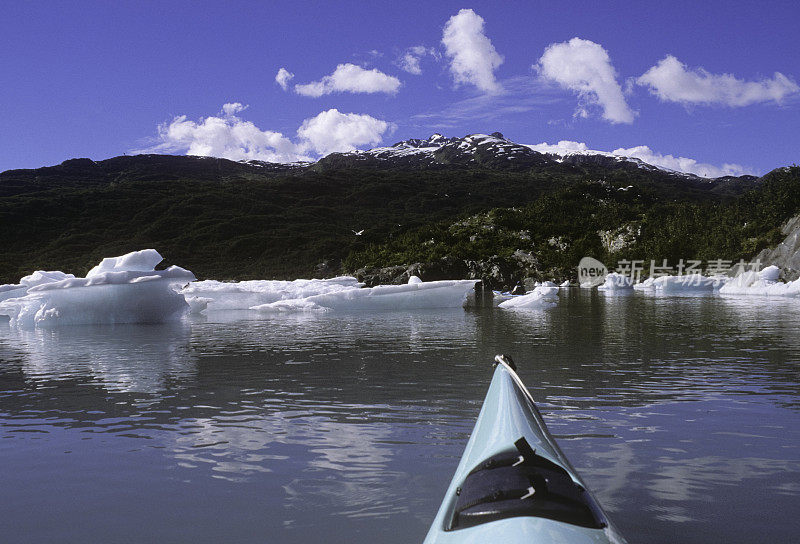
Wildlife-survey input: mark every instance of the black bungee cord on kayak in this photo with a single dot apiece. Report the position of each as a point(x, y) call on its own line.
point(519, 482)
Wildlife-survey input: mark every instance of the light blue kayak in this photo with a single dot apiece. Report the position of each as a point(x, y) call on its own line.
point(513, 484)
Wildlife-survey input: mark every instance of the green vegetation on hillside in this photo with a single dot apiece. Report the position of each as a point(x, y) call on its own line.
point(586, 218)
point(230, 220)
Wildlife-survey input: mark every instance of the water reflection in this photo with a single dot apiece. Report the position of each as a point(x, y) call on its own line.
point(350, 425)
point(121, 358)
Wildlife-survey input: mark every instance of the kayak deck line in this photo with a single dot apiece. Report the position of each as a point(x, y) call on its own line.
point(513, 483)
point(504, 486)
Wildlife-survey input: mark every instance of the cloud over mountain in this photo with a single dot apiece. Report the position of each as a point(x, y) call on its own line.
point(350, 78)
point(585, 68)
point(332, 131)
point(672, 81)
point(473, 58)
point(682, 164)
point(227, 136)
point(645, 154)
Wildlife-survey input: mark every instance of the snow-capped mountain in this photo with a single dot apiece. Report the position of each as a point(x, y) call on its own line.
point(483, 150)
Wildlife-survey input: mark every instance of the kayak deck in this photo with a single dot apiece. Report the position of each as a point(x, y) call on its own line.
point(513, 483)
point(522, 483)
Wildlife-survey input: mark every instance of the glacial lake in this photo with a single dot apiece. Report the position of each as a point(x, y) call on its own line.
point(682, 415)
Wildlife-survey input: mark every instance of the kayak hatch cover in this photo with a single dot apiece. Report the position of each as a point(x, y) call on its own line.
point(513, 484)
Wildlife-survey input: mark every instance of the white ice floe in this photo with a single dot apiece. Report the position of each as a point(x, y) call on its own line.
point(123, 289)
point(647, 285)
point(243, 295)
point(499, 297)
point(770, 273)
point(544, 296)
point(39, 277)
point(616, 282)
point(764, 283)
point(564, 284)
point(12, 290)
point(675, 285)
point(413, 296)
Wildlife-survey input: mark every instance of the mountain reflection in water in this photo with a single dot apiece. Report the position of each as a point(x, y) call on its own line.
point(681, 414)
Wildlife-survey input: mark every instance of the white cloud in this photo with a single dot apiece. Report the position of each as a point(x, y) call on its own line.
point(672, 81)
point(644, 153)
point(585, 68)
point(228, 136)
point(682, 164)
point(564, 147)
point(225, 136)
point(351, 79)
point(283, 77)
point(232, 108)
point(473, 58)
point(410, 60)
point(332, 131)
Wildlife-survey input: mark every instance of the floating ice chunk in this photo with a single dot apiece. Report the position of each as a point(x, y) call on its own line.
point(673, 285)
point(412, 296)
point(141, 261)
point(37, 278)
point(243, 295)
point(770, 273)
point(616, 282)
point(689, 283)
point(498, 297)
point(544, 296)
point(759, 283)
point(198, 305)
point(291, 305)
point(647, 285)
point(117, 291)
point(565, 283)
point(44, 276)
point(12, 291)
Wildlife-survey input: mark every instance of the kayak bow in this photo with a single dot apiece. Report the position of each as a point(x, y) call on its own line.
point(513, 483)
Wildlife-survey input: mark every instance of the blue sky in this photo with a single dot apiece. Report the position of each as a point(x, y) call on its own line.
point(98, 79)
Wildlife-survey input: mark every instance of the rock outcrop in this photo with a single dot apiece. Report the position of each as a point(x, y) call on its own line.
point(785, 255)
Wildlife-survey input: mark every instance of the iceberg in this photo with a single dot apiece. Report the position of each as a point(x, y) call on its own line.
point(39, 277)
point(764, 283)
point(215, 295)
point(499, 297)
point(685, 284)
point(770, 273)
point(415, 295)
point(544, 296)
point(123, 289)
point(616, 282)
point(647, 285)
point(11, 290)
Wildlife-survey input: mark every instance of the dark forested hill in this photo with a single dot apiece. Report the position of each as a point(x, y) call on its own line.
point(232, 220)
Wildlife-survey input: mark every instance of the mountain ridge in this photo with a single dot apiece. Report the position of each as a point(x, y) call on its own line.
point(243, 220)
point(477, 150)
point(488, 150)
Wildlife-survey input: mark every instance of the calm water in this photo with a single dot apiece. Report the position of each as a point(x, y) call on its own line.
point(682, 414)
